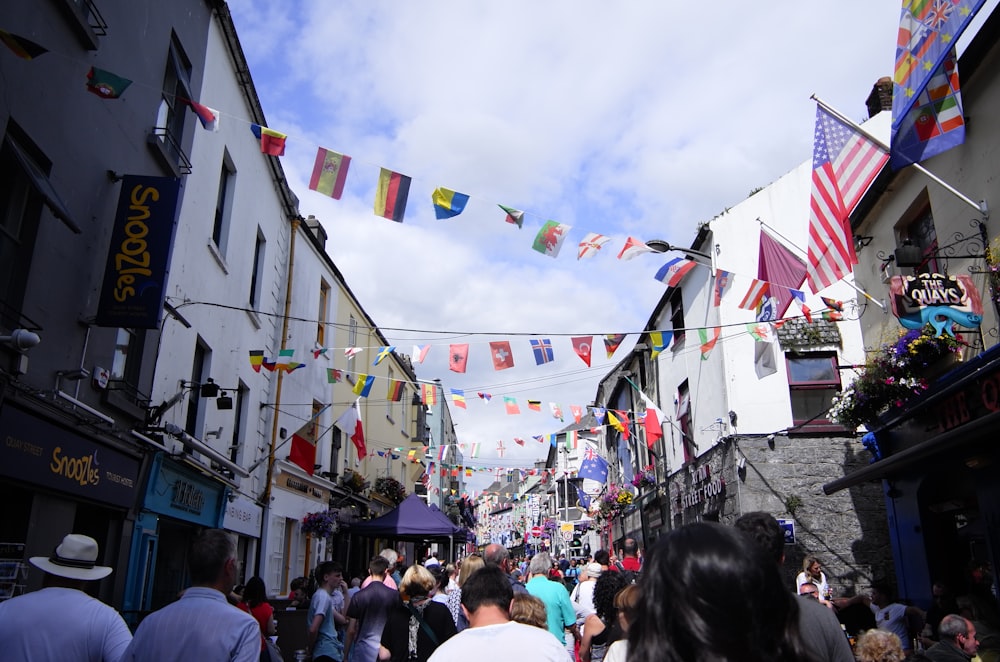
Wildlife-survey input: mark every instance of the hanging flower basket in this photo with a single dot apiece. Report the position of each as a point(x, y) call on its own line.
point(353, 481)
point(644, 478)
point(322, 524)
point(893, 374)
point(391, 489)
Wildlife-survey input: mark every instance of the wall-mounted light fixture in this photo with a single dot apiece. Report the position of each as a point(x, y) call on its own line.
point(861, 241)
point(21, 339)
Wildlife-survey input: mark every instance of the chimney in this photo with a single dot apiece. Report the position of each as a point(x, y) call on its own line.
point(881, 97)
point(314, 226)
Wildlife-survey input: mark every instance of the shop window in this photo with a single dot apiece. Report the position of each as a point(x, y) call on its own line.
point(813, 381)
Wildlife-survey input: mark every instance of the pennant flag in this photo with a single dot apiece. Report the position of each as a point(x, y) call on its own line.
point(542, 350)
point(23, 48)
point(448, 203)
point(833, 315)
point(611, 343)
point(420, 353)
point(500, 449)
point(652, 422)
point(934, 123)
point(556, 410)
point(582, 498)
point(395, 393)
point(364, 385)
point(761, 332)
point(659, 341)
point(458, 356)
point(209, 117)
point(721, 285)
point(554, 442)
point(272, 143)
point(764, 361)
point(833, 304)
point(755, 295)
point(535, 405)
point(475, 450)
point(599, 413)
point(442, 453)
point(615, 423)
point(485, 397)
point(594, 467)
point(582, 346)
point(294, 365)
point(428, 394)
point(928, 31)
point(350, 424)
point(632, 248)
point(270, 366)
point(390, 195)
point(767, 311)
point(577, 412)
point(672, 273)
point(352, 351)
point(572, 440)
point(514, 216)
point(303, 449)
point(511, 405)
point(550, 238)
point(519, 441)
point(844, 164)
point(708, 339)
point(778, 266)
point(256, 359)
point(540, 438)
point(458, 398)
point(284, 357)
point(321, 351)
point(501, 354)
point(591, 244)
point(106, 84)
point(329, 173)
point(382, 353)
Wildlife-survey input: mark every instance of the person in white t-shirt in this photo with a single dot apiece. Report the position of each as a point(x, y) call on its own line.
point(902, 620)
point(492, 636)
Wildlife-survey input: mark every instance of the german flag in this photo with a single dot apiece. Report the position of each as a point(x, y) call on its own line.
point(23, 48)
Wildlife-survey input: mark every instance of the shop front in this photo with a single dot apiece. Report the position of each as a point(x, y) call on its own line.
point(55, 480)
point(937, 460)
point(244, 518)
point(179, 502)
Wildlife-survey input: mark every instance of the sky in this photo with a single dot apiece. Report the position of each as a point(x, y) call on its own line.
point(640, 119)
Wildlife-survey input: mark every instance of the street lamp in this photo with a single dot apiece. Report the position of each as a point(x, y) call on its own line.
point(661, 246)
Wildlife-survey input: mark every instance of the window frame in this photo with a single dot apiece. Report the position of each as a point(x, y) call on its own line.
point(822, 422)
point(676, 301)
point(224, 204)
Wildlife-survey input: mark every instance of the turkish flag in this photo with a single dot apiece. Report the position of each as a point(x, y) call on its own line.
point(503, 358)
point(458, 356)
point(582, 345)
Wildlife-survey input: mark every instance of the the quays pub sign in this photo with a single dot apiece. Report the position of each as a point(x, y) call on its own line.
point(936, 299)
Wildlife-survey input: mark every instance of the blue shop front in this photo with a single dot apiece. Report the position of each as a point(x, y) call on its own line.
point(938, 461)
point(179, 502)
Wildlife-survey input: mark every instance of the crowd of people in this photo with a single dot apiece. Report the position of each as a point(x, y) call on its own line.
point(703, 591)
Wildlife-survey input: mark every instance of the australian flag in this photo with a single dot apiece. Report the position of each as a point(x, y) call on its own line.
point(583, 498)
point(595, 468)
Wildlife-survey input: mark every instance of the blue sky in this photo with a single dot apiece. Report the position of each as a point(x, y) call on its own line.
point(635, 118)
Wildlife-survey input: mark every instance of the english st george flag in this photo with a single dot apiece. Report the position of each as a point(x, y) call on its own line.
point(844, 164)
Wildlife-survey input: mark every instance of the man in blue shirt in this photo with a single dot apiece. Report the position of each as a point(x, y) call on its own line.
point(202, 625)
point(559, 611)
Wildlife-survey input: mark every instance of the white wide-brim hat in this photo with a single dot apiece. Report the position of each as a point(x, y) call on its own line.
point(74, 558)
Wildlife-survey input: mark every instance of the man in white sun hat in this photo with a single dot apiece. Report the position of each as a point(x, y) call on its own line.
point(62, 622)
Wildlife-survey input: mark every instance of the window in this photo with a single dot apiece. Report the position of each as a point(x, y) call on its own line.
point(20, 212)
point(170, 114)
point(324, 303)
point(923, 235)
point(677, 315)
point(257, 274)
point(240, 415)
point(683, 416)
point(224, 204)
point(813, 380)
point(127, 360)
point(352, 341)
point(199, 371)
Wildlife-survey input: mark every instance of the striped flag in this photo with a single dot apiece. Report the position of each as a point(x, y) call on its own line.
point(844, 164)
point(395, 393)
point(272, 142)
point(708, 339)
point(458, 397)
point(329, 173)
point(390, 195)
point(757, 293)
point(448, 203)
point(721, 283)
point(363, 387)
point(420, 353)
point(632, 248)
point(428, 394)
point(22, 47)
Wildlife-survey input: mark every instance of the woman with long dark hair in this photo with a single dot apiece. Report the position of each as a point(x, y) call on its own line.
point(601, 629)
point(255, 603)
point(709, 593)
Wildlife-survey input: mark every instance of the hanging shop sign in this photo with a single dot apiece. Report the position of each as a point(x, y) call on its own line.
point(183, 494)
point(302, 486)
point(136, 270)
point(936, 299)
point(47, 455)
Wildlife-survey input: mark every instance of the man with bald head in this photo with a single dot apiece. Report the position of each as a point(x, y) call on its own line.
point(497, 556)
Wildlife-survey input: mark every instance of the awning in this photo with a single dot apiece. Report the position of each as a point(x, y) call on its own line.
point(906, 459)
point(44, 187)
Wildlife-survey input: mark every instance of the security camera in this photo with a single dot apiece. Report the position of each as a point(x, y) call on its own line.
point(21, 339)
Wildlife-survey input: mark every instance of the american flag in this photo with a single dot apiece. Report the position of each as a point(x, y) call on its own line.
point(844, 164)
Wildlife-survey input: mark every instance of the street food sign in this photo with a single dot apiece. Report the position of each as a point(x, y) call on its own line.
point(936, 299)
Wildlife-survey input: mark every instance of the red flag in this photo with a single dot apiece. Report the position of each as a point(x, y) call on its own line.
point(844, 164)
point(429, 394)
point(502, 356)
point(778, 266)
point(519, 441)
point(755, 295)
point(350, 423)
point(623, 415)
point(577, 412)
point(303, 451)
point(582, 345)
point(457, 358)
